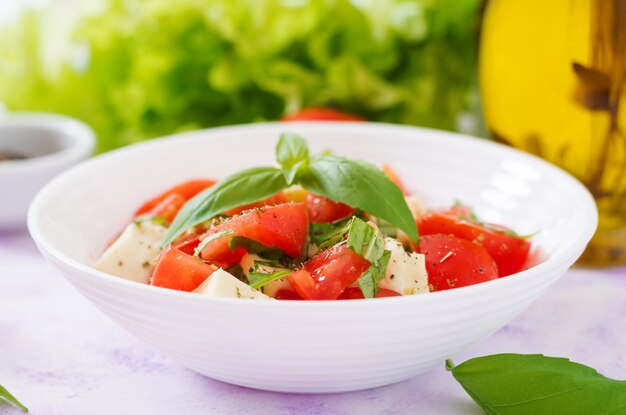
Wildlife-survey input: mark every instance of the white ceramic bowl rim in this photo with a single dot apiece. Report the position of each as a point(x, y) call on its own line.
point(567, 253)
point(80, 137)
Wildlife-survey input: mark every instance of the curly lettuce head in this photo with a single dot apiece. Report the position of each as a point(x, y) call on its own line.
point(136, 69)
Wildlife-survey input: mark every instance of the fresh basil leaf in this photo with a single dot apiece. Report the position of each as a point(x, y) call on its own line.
point(211, 238)
point(292, 153)
point(291, 172)
point(254, 247)
point(364, 240)
point(369, 281)
point(247, 186)
point(514, 384)
point(6, 395)
point(291, 149)
point(259, 279)
point(361, 185)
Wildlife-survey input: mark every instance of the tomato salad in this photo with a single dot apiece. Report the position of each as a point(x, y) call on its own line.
point(314, 228)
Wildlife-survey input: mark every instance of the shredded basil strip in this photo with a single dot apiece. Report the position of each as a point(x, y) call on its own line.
point(369, 281)
point(259, 279)
point(209, 239)
point(254, 247)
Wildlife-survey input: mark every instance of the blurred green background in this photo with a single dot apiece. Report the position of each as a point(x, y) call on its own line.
point(137, 69)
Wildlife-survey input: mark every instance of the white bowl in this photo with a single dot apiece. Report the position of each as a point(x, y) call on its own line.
point(328, 346)
point(52, 143)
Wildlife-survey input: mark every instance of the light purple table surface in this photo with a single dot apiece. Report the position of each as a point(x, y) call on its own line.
point(61, 356)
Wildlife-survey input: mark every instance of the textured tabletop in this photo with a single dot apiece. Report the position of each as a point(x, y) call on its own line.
point(60, 355)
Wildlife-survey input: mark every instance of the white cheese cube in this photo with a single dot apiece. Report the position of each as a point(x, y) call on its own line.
point(130, 255)
point(223, 284)
point(272, 287)
point(406, 272)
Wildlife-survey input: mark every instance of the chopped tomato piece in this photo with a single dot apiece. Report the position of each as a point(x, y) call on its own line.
point(508, 251)
point(354, 293)
point(395, 178)
point(453, 262)
point(282, 226)
point(287, 295)
point(327, 274)
point(321, 114)
point(277, 199)
point(187, 190)
point(179, 271)
point(323, 210)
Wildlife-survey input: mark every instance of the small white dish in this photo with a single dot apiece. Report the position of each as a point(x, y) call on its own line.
point(49, 144)
point(315, 346)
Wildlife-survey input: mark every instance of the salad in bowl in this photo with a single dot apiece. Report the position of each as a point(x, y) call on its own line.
point(320, 227)
point(111, 204)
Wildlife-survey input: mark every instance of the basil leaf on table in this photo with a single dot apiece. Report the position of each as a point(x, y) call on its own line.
point(8, 397)
point(361, 185)
point(514, 384)
point(244, 187)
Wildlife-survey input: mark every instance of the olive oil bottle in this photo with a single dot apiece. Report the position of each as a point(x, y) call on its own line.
point(552, 77)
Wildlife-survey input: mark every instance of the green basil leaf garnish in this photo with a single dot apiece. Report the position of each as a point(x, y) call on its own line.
point(515, 384)
point(292, 153)
point(361, 185)
point(356, 183)
point(6, 396)
point(247, 186)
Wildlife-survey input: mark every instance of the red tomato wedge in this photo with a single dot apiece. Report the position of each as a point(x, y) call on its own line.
point(187, 190)
point(453, 262)
point(323, 210)
point(508, 251)
point(180, 271)
point(281, 226)
point(277, 199)
point(321, 114)
point(326, 275)
point(354, 293)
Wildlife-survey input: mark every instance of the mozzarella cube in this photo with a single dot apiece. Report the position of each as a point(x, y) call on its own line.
point(223, 284)
point(272, 287)
point(406, 272)
point(130, 255)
